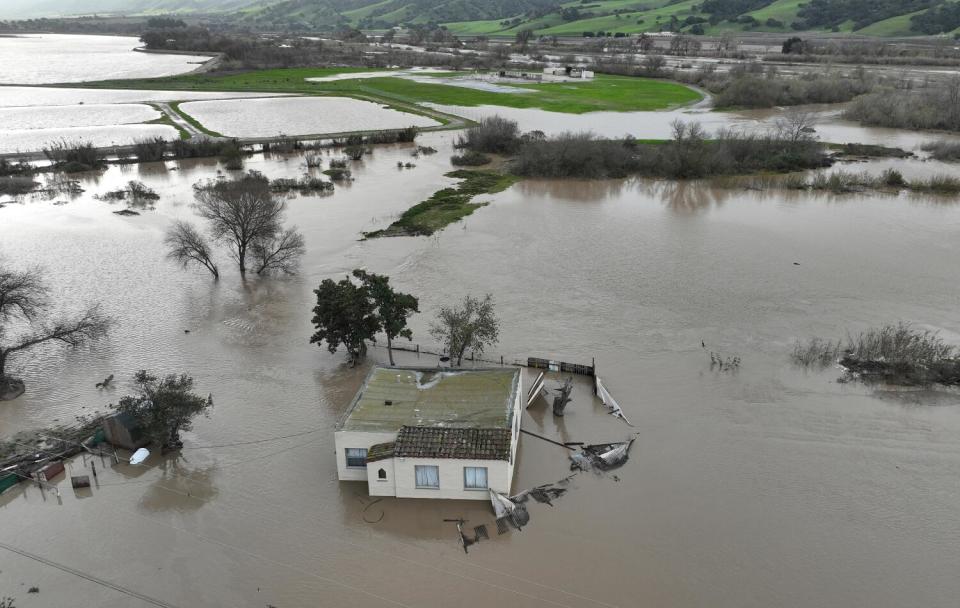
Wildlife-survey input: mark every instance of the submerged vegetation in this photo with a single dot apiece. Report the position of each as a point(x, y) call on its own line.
point(74, 156)
point(895, 353)
point(15, 185)
point(753, 85)
point(948, 151)
point(936, 108)
point(691, 153)
point(135, 191)
point(846, 182)
point(446, 206)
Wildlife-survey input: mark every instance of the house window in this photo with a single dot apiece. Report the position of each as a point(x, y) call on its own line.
point(428, 476)
point(475, 478)
point(357, 457)
point(381, 474)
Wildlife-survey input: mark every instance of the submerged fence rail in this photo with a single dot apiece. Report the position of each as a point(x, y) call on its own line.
point(531, 362)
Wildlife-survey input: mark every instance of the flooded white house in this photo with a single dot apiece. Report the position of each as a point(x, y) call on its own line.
point(428, 433)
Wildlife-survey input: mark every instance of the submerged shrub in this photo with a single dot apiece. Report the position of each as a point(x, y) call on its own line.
point(149, 150)
point(892, 178)
point(893, 353)
point(943, 150)
point(15, 185)
point(493, 135)
point(937, 184)
point(74, 157)
point(816, 352)
point(470, 158)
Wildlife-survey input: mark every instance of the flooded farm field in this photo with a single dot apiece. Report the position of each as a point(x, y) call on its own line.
point(27, 140)
point(763, 486)
point(13, 96)
point(830, 125)
point(299, 116)
point(54, 58)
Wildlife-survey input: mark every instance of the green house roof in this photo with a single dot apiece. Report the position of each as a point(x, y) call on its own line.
point(395, 397)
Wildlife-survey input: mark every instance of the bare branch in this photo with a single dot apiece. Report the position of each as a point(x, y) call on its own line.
point(22, 294)
point(281, 253)
point(187, 246)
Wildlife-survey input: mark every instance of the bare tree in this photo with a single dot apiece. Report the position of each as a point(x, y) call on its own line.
point(795, 125)
point(653, 65)
point(241, 212)
point(24, 299)
point(470, 325)
point(187, 246)
point(279, 253)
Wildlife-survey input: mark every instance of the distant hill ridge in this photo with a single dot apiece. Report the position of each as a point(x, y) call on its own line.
point(548, 17)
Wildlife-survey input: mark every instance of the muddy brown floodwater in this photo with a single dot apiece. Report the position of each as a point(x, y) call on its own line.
point(768, 486)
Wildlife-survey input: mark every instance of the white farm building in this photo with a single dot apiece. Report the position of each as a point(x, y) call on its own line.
point(430, 433)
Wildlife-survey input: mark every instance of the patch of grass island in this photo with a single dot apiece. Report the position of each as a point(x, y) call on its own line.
point(448, 205)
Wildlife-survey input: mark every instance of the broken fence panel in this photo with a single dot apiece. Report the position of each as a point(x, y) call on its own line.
point(536, 389)
point(609, 401)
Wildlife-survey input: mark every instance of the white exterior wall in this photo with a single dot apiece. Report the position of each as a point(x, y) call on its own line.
point(377, 486)
point(354, 439)
point(401, 479)
point(499, 473)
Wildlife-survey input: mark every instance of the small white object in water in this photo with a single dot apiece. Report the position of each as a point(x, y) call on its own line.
point(139, 456)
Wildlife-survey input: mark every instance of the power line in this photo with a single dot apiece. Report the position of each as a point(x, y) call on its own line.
point(89, 577)
point(254, 441)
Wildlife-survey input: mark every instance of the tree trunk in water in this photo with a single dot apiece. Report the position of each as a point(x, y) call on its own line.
point(390, 350)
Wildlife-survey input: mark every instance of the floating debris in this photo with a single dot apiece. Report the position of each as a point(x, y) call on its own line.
point(609, 401)
point(601, 456)
point(139, 456)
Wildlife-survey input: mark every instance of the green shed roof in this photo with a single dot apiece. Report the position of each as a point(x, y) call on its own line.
point(475, 398)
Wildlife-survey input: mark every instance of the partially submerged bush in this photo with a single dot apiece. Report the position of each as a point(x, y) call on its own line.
point(690, 154)
point(494, 135)
point(900, 343)
point(16, 185)
point(937, 184)
point(305, 184)
point(17, 168)
point(816, 352)
point(232, 156)
point(943, 150)
point(74, 157)
point(936, 107)
point(137, 192)
point(338, 174)
point(470, 158)
point(894, 353)
point(150, 150)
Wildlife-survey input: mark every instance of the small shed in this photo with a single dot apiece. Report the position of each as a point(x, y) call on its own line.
point(121, 430)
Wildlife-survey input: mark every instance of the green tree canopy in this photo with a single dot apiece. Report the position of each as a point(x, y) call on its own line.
point(345, 314)
point(472, 325)
point(164, 406)
point(393, 307)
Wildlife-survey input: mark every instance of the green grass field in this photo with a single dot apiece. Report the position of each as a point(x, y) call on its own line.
point(604, 93)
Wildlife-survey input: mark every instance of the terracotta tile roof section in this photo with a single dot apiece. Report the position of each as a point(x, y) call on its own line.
point(447, 442)
point(380, 451)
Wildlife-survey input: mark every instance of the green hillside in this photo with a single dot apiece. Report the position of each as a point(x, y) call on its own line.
point(545, 17)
